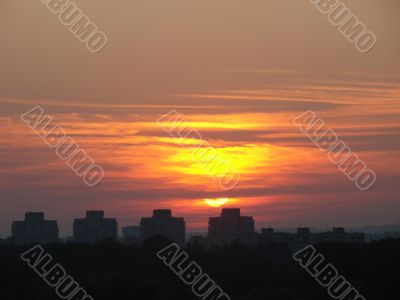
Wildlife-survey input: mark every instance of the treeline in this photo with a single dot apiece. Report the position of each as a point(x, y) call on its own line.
point(264, 272)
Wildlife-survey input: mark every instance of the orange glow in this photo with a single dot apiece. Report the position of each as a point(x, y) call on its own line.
point(146, 168)
point(216, 202)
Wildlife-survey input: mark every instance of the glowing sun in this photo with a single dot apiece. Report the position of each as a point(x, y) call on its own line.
point(216, 202)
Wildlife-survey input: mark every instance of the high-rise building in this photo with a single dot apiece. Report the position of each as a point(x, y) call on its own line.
point(94, 228)
point(162, 223)
point(130, 235)
point(34, 229)
point(231, 226)
point(131, 232)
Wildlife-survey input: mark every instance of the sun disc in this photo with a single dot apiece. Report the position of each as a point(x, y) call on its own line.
point(216, 202)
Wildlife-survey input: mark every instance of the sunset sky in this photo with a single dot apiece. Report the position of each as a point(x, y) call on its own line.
point(239, 72)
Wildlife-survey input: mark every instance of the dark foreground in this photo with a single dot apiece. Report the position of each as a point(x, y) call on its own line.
point(265, 272)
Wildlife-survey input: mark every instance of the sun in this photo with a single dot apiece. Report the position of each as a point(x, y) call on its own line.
point(216, 202)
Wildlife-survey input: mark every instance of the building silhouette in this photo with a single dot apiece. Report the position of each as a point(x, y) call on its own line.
point(199, 240)
point(303, 231)
point(130, 235)
point(131, 232)
point(339, 235)
point(305, 237)
point(34, 229)
point(94, 228)
point(162, 223)
point(231, 226)
point(301, 238)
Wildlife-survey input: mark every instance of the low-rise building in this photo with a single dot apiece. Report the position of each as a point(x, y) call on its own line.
point(305, 237)
point(339, 235)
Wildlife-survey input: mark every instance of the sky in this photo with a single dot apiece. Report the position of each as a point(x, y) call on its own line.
point(239, 72)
